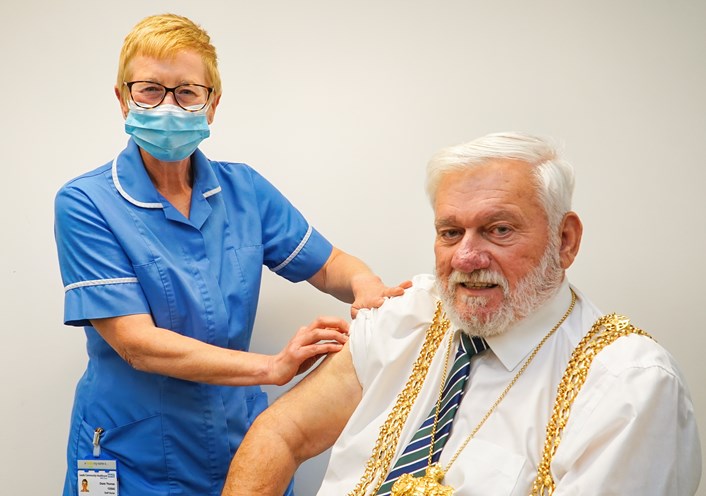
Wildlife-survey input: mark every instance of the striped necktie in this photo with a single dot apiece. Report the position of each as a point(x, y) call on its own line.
point(415, 457)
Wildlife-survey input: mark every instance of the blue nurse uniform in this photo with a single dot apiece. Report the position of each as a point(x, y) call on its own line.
point(123, 249)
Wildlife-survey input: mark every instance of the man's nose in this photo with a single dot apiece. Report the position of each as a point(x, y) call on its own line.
point(470, 256)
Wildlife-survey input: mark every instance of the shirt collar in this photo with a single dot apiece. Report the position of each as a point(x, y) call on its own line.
point(134, 185)
point(519, 339)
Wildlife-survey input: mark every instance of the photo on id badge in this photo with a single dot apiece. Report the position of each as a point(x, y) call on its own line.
point(97, 478)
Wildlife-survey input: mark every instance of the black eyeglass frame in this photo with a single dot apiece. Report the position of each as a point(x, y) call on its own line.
point(167, 90)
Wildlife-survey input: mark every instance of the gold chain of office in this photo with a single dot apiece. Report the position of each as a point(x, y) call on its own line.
point(386, 444)
point(430, 483)
point(605, 331)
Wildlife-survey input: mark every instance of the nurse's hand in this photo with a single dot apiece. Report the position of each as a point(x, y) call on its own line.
point(323, 336)
point(370, 291)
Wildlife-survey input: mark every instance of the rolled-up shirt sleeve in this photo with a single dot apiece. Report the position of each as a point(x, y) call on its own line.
point(631, 431)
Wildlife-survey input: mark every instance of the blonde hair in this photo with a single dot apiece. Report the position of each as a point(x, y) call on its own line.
point(162, 36)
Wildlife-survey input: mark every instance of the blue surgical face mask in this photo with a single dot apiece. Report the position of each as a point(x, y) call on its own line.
point(167, 132)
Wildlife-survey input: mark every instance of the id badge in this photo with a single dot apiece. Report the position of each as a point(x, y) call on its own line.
point(97, 478)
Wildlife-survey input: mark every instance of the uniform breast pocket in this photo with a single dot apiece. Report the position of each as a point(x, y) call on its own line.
point(159, 292)
point(242, 277)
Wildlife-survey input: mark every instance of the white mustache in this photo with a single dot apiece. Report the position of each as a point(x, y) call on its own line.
point(480, 276)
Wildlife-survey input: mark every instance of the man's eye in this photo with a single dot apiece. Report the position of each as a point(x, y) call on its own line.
point(501, 230)
point(449, 234)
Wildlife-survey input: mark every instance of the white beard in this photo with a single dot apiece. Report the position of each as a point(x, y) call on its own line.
point(531, 292)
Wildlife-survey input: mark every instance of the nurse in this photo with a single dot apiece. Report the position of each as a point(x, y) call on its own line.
point(161, 251)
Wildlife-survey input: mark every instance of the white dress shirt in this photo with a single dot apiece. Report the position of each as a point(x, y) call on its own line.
point(631, 431)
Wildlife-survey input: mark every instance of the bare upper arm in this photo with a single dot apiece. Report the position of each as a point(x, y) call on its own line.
point(312, 415)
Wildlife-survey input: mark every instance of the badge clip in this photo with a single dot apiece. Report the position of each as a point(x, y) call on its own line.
point(97, 441)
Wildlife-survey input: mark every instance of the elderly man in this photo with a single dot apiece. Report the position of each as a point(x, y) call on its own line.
point(557, 397)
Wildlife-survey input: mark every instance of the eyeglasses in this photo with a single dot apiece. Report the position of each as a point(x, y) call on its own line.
point(148, 95)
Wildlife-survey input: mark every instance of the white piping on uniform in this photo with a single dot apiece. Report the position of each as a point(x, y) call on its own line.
point(295, 252)
point(212, 192)
point(100, 282)
point(124, 193)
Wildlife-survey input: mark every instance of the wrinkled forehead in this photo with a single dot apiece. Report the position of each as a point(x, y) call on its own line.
point(500, 192)
point(506, 180)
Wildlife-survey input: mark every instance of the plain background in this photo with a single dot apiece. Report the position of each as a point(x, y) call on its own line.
point(340, 104)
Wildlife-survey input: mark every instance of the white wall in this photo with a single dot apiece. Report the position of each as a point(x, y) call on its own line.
point(340, 104)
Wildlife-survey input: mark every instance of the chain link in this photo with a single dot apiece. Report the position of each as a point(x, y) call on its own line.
point(379, 462)
point(605, 331)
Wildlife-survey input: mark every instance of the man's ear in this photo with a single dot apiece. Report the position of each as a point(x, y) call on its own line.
point(570, 237)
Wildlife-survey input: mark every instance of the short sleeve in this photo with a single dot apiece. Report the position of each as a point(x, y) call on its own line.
point(99, 280)
point(292, 247)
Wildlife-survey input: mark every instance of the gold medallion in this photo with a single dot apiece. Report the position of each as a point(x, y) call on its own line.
point(427, 485)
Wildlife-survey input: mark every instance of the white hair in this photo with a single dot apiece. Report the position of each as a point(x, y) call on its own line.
point(554, 176)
